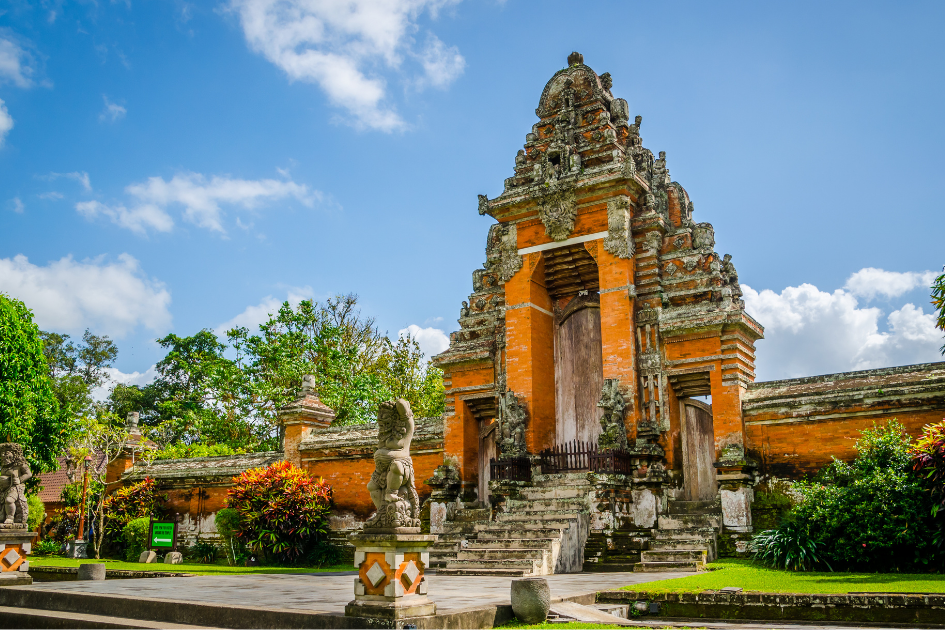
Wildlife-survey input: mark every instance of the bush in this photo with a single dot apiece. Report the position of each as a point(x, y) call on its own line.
point(324, 554)
point(227, 522)
point(283, 513)
point(928, 462)
point(128, 504)
point(203, 551)
point(787, 547)
point(46, 547)
point(872, 514)
point(135, 538)
point(37, 512)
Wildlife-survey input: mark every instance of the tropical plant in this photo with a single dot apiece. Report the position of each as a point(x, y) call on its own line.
point(29, 412)
point(187, 451)
point(928, 462)
point(283, 512)
point(134, 535)
point(203, 551)
point(938, 302)
point(787, 547)
point(130, 503)
point(46, 547)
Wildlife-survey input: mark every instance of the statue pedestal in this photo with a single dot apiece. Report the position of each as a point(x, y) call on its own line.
point(15, 544)
point(391, 583)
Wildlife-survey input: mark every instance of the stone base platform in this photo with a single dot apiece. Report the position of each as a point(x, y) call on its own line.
point(313, 600)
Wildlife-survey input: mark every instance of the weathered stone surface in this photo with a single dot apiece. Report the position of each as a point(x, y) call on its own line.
point(14, 473)
point(147, 557)
point(392, 485)
point(531, 599)
point(92, 571)
point(174, 557)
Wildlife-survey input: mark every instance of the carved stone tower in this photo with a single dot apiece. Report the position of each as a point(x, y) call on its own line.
point(596, 271)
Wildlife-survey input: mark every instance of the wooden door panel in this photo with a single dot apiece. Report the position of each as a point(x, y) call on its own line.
point(698, 454)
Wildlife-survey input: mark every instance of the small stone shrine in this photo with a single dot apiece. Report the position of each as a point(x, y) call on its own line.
point(391, 553)
point(15, 539)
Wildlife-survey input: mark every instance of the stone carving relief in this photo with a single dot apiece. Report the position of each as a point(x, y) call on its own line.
point(619, 112)
point(483, 204)
point(512, 417)
point(703, 236)
point(14, 473)
point(653, 241)
point(613, 433)
point(557, 210)
point(730, 279)
point(619, 240)
point(392, 484)
point(509, 261)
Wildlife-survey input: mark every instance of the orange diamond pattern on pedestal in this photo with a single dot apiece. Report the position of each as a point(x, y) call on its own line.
point(11, 558)
point(375, 574)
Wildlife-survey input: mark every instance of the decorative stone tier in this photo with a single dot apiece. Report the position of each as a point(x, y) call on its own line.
point(391, 584)
point(15, 544)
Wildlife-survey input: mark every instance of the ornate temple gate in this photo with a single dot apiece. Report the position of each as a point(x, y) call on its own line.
point(579, 370)
point(698, 451)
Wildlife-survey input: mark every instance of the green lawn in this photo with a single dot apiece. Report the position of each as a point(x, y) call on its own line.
point(201, 569)
point(754, 577)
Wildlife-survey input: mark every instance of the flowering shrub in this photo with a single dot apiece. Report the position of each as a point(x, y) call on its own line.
point(283, 513)
point(130, 503)
point(928, 462)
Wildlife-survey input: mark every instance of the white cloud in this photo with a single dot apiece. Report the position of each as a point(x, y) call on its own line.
point(6, 122)
point(16, 205)
point(809, 331)
point(870, 282)
point(139, 219)
point(112, 111)
point(253, 316)
point(110, 298)
point(202, 199)
point(431, 340)
point(16, 64)
point(115, 375)
point(337, 45)
point(50, 195)
point(81, 177)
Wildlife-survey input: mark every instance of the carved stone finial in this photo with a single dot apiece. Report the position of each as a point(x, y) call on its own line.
point(392, 484)
point(483, 204)
point(308, 385)
point(575, 58)
point(131, 422)
point(14, 473)
point(606, 81)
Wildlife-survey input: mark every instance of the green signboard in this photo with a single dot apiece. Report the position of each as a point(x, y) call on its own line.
point(162, 534)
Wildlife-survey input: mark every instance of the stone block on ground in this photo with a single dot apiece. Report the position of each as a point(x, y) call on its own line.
point(531, 599)
point(174, 557)
point(147, 557)
point(91, 571)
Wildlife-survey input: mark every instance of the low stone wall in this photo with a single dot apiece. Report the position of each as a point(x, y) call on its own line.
point(71, 574)
point(793, 427)
point(925, 609)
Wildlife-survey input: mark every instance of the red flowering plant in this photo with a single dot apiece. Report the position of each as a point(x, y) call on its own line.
point(283, 512)
point(928, 462)
point(129, 503)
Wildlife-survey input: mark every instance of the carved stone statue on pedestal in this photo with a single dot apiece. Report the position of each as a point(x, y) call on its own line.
point(15, 540)
point(14, 473)
point(391, 554)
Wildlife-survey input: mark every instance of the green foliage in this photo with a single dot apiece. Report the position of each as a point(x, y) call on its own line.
point(46, 547)
point(77, 370)
point(938, 302)
point(772, 503)
point(187, 451)
point(29, 411)
point(130, 503)
point(788, 547)
point(203, 551)
point(37, 512)
point(227, 522)
point(323, 554)
point(134, 535)
point(283, 513)
point(928, 462)
point(871, 514)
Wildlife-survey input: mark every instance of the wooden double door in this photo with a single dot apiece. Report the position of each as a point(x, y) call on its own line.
point(698, 451)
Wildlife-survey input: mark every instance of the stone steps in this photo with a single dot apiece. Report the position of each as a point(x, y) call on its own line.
point(484, 572)
point(38, 618)
point(510, 543)
point(667, 567)
point(496, 530)
point(555, 492)
point(546, 504)
point(516, 553)
point(528, 566)
point(674, 555)
point(536, 516)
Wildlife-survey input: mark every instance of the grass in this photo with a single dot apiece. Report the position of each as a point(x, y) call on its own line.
point(754, 577)
point(199, 569)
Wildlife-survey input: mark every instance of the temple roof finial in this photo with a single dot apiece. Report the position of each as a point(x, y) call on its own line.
point(574, 58)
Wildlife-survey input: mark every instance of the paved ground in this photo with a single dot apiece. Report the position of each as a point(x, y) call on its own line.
point(329, 592)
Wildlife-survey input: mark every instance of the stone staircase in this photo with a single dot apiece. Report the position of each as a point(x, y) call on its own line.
point(541, 533)
point(614, 551)
point(686, 538)
point(458, 530)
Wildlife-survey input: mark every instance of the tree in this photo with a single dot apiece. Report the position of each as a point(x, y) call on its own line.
point(104, 439)
point(938, 301)
point(29, 410)
point(77, 370)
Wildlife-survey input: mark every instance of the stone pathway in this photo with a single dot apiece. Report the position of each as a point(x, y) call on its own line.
point(329, 592)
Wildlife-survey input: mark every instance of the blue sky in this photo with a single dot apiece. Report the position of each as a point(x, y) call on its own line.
point(168, 166)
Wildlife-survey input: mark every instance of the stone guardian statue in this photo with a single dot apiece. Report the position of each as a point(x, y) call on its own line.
point(392, 483)
point(14, 473)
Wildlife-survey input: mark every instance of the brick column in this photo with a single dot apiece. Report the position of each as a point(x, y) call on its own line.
point(301, 416)
point(529, 359)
